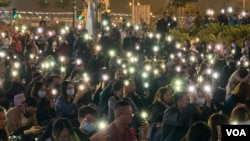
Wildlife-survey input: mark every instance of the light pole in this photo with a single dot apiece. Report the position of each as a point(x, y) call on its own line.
point(133, 11)
point(244, 4)
point(74, 14)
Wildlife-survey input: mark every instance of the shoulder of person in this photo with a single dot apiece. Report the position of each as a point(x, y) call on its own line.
point(171, 109)
point(13, 110)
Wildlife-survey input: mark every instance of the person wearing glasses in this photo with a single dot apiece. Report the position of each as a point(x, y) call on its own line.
point(118, 90)
point(119, 129)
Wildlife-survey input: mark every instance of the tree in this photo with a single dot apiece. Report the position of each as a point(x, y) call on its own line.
point(180, 3)
point(5, 3)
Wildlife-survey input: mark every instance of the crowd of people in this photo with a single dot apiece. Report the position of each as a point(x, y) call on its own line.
point(169, 20)
point(125, 84)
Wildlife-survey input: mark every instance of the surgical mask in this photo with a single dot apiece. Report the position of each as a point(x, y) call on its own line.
point(70, 92)
point(89, 127)
point(41, 94)
point(200, 101)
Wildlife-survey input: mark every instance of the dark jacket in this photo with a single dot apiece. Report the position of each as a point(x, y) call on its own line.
point(105, 94)
point(157, 111)
point(44, 112)
point(176, 123)
point(232, 101)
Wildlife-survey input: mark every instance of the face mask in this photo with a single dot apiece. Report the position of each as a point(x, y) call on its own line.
point(200, 101)
point(89, 127)
point(70, 92)
point(41, 94)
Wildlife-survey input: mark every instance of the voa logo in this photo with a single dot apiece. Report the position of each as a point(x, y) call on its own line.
point(236, 132)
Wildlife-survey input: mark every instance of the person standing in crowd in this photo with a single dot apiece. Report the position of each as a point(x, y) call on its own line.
point(188, 20)
point(64, 48)
point(162, 24)
point(53, 45)
point(245, 50)
point(198, 21)
point(129, 42)
point(30, 46)
point(235, 50)
point(6, 41)
point(18, 44)
point(21, 120)
point(4, 136)
point(41, 42)
point(96, 65)
point(222, 18)
point(226, 72)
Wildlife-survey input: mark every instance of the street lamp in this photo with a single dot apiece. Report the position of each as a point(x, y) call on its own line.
point(210, 13)
point(230, 10)
point(244, 4)
point(133, 11)
point(74, 14)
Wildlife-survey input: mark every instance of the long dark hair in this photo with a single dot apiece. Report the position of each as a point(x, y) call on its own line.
point(36, 87)
point(64, 89)
point(3, 132)
point(61, 123)
point(160, 93)
point(214, 120)
point(47, 132)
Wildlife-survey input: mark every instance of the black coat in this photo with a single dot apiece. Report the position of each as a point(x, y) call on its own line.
point(176, 123)
point(157, 112)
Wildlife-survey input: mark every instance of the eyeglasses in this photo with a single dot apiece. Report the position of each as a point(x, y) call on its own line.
point(128, 114)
